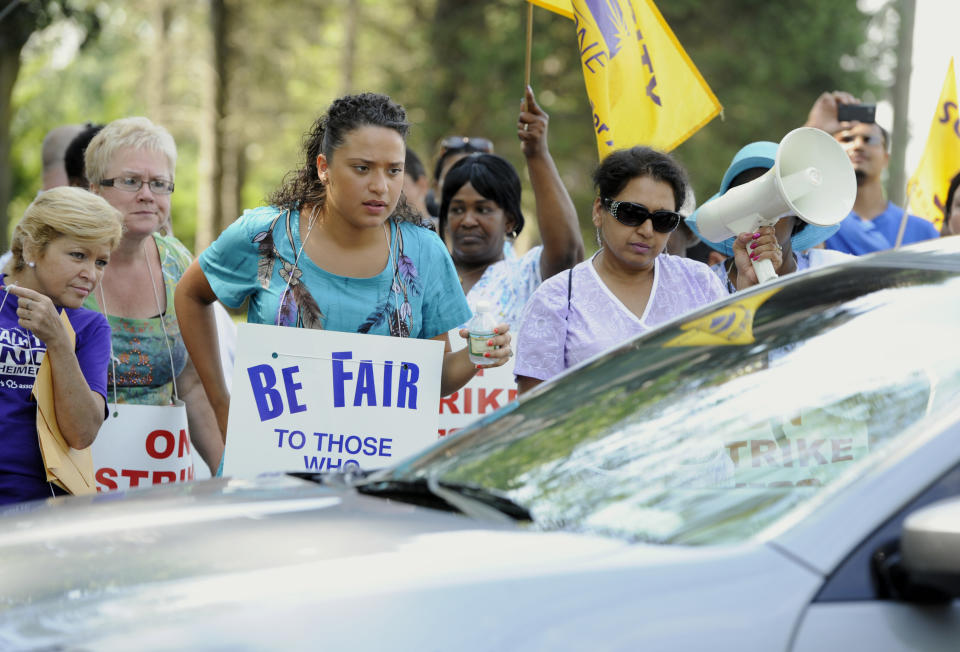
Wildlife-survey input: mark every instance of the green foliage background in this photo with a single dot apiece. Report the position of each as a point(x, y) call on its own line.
point(457, 65)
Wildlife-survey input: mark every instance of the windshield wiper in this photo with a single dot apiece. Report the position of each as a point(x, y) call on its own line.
point(469, 500)
point(334, 478)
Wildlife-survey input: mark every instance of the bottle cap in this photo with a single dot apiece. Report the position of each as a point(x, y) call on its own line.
point(483, 306)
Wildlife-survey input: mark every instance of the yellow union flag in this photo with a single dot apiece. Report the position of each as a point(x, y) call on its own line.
point(561, 7)
point(642, 86)
point(927, 188)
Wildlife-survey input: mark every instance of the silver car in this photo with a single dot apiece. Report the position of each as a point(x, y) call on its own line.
point(779, 471)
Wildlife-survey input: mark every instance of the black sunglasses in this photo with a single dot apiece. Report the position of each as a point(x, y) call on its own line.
point(462, 142)
point(631, 214)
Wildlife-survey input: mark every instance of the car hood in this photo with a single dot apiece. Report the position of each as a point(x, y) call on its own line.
point(226, 525)
point(226, 556)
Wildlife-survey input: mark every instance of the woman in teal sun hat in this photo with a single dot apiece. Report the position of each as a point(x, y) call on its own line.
point(796, 238)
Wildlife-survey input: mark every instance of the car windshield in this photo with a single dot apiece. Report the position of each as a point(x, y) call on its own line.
point(713, 429)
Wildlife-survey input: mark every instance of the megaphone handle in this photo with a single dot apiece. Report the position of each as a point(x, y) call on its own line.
point(764, 270)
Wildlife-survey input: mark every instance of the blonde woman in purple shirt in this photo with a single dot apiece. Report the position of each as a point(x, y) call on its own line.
point(630, 285)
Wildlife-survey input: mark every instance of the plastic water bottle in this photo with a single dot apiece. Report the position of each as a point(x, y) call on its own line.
point(481, 328)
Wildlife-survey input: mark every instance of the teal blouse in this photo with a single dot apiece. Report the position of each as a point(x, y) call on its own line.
point(417, 294)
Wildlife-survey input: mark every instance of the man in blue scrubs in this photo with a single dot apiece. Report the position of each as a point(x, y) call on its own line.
point(874, 223)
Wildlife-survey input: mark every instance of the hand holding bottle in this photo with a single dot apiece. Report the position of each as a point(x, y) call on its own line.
point(488, 343)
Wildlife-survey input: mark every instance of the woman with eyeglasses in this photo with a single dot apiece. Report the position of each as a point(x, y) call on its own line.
point(130, 163)
point(630, 285)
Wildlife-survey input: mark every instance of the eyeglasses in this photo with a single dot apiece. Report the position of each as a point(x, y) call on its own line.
point(133, 184)
point(463, 142)
point(868, 139)
point(631, 214)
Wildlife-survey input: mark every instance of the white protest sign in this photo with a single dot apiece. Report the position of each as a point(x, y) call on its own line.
point(489, 390)
point(312, 400)
point(140, 445)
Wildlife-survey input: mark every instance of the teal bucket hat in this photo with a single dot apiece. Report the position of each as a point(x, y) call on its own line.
point(761, 154)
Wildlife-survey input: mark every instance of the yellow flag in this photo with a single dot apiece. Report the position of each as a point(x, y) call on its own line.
point(561, 7)
point(927, 188)
point(642, 86)
point(730, 325)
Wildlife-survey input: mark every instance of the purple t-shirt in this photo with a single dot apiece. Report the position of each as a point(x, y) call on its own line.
point(553, 338)
point(22, 476)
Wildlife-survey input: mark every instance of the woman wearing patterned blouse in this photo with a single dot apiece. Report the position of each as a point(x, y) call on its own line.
point(337, 249)
point(629, 286)
point(480, 209)
point(130, 163)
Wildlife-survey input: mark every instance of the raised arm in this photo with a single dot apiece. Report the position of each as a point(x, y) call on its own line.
point(198, 327)
point(823, 113)
point(556, 214)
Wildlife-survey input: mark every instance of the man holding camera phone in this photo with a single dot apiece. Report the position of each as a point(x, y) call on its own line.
point(874, 223)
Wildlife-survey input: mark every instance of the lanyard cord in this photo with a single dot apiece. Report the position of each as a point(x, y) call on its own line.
point(6, 294)
point(162, 313)
point(26, 331)
point(393, 255)
point(296, 260)
point(113, 358)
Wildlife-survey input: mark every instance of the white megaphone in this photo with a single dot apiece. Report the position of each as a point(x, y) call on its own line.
point(812, 177)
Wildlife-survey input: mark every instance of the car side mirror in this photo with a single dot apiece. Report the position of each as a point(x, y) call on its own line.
point(923, 565)
point(930, 547)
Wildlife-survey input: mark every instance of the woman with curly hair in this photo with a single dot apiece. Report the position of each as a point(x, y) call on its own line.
point(338, 249)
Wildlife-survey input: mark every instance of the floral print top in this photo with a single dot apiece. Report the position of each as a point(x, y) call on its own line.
point(507, 285)
point(142, 361)
point(574, 315)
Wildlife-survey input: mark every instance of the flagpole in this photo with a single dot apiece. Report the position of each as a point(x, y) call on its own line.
point(526, 77)
point(903, 220)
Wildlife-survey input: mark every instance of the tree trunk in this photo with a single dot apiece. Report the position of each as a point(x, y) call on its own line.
point(156, 91)
point(234, 171)
point(896, 188)
point(210, 192)
point(9, 69)
point(350, 46)
point(19, 21)
point(451, 20)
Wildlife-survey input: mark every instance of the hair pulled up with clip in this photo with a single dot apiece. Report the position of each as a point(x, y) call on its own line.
point(303, 187)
